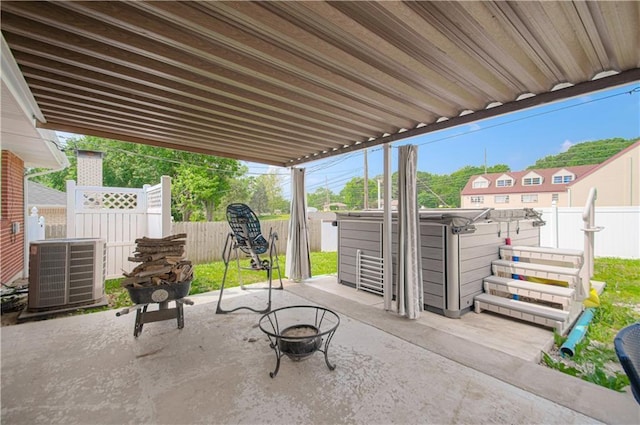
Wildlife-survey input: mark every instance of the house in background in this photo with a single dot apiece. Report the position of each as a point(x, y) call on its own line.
point(617, 181)
point(51, 203)
point(23, 146)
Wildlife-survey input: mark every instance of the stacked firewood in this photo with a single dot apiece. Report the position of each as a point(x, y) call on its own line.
point(161, 262)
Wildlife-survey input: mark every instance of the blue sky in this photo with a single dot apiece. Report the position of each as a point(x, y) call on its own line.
point(516, 139)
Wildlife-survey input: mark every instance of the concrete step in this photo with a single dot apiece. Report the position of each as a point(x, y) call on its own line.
point(538, 291)
point(535, 254)
point(507, 268)
point(534, 313)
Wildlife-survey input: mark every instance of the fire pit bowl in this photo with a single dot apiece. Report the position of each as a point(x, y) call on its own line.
point(299, 331)
point(159, 293)
point(300, 341)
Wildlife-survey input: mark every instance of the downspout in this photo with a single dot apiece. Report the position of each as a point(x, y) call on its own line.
point(25, 208)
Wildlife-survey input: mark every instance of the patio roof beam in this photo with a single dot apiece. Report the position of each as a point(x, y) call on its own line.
point(517, 105)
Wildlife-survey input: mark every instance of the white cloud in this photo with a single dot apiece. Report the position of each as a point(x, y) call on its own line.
point(566, 145)
point(474, 127)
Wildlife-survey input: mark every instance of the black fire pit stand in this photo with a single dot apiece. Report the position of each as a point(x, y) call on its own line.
point(162, 313)
point(298, 331)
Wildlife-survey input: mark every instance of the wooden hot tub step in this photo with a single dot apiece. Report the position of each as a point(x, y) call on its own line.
point(535, 254)
point(534, 313)
point(539, 291)
point(540, 271)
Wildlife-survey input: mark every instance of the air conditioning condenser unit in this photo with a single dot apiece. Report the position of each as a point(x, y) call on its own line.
point(66, 273)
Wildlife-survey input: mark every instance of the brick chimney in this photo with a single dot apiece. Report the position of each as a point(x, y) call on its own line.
point(89, 168)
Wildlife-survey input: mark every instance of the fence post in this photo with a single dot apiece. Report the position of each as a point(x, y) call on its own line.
point(71, 209)
point(554, 224)
point(165, 184)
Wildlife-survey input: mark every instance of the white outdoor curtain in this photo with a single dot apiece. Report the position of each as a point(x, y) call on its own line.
point(298, 265)
point(409, 266)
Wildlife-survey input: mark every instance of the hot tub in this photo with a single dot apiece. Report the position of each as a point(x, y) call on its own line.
point(457, 248)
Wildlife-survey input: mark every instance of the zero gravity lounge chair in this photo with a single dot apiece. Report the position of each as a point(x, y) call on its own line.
point(246, 238)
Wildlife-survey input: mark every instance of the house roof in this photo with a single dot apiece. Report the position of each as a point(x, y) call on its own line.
point(43, 196)
point(18, 132)
point(546, 186)
point(624, 151)
point(284, 83)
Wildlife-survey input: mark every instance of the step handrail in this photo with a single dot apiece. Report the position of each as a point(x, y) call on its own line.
point(588, 217)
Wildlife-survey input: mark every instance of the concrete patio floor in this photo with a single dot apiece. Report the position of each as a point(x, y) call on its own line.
point(90, 369)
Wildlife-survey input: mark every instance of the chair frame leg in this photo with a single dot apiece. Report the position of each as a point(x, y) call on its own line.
point(232, 247)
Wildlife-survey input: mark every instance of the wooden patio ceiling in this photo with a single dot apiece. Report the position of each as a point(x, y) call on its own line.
point(289, 82)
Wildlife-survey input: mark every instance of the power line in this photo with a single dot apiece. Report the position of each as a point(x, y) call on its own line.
point(629, 92)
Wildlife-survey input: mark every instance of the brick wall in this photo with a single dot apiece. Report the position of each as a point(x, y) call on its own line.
point(12, 205)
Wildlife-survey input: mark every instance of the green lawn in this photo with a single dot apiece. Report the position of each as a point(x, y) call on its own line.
point(208, 277)
point(595, 358)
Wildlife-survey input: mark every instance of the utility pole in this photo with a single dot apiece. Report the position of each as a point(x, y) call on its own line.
point(326, 188)
point(366, 181)
point(485, 160)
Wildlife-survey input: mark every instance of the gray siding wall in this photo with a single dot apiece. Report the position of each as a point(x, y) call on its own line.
point(478, 249)
point(353, 235)
point(433, 265)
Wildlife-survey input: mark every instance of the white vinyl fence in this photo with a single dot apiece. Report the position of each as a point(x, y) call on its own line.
point(119, 216)
point(620, 236)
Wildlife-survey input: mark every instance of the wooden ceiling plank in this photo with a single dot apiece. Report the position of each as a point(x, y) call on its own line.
point(222, 145)
point(118, 117)
point(169, 144)
point(291, 47)
point(433, 43)
point(57, 89)
point(154, 92)
point(436, 93)
point(491, 32)
point(93, 87)
point(58, 107)
point(587, 34)
point(622, 39)
point(190, 65)
point(133, 69)
point(223, 60)
point(556, 31)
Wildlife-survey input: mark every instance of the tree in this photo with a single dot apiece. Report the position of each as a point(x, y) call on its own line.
point(352, 193)
point(198, 181)
point(201, 187)
point(238, 192)
point(594, 152)
point(259, 199)
point(321, 197)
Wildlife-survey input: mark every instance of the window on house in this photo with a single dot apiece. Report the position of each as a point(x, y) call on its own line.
point(477, 199)
point(504, 183)
point(529, 198)
point(562, 179)
point(531, 181)
point(554, 197)
point(501, 199)
point(478, 184)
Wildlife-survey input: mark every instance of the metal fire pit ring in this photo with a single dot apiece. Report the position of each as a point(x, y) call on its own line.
point(298, 331)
